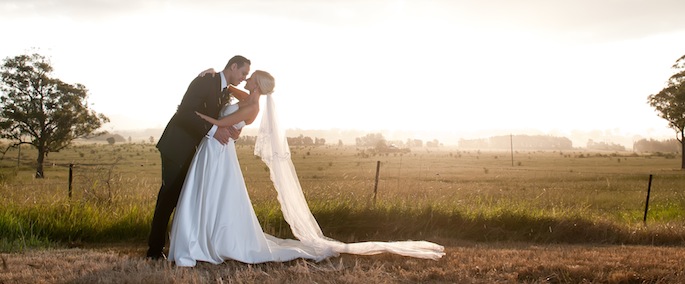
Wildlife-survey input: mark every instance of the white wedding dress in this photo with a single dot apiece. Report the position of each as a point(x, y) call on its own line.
point(215, 221)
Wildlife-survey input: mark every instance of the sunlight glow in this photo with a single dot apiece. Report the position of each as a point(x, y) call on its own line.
point(399, 65)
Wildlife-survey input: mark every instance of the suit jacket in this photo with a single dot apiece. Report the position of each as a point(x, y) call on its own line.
point(185, 130)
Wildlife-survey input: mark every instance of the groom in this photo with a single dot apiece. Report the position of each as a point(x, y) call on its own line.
point(183, 134)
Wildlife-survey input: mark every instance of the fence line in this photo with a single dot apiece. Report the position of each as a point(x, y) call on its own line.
point(365, 167)
point(361, 167)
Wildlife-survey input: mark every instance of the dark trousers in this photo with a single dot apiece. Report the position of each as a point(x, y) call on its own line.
point(173, 176)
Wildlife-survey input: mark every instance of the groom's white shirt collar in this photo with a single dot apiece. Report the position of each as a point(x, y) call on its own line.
point(224, 84)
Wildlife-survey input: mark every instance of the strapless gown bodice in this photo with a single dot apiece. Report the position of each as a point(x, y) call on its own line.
point(229, 109)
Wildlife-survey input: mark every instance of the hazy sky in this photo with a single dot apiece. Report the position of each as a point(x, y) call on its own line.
point(456, 66)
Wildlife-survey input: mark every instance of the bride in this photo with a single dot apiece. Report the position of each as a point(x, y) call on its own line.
point(215, 221)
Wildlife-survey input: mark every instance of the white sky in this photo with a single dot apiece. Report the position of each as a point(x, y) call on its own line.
point(455, 66)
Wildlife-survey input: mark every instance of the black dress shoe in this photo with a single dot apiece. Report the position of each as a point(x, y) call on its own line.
point(156, 255)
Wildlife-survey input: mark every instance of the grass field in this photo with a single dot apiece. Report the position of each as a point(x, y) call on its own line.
point(464, 198)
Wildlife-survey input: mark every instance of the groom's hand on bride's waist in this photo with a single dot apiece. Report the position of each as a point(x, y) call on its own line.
point(222, 135)
point(234, 132)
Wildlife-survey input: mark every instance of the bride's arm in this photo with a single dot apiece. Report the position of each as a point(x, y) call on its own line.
point(242, 114)
point(208, 118)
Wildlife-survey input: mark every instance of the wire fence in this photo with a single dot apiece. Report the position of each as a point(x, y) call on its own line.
point(382, 174)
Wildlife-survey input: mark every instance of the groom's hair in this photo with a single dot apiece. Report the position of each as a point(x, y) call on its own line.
point(238, 59)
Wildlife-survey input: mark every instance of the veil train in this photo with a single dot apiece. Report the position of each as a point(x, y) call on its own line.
point(272, 147)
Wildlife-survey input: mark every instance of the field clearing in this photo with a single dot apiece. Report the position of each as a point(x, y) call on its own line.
point(543, 216)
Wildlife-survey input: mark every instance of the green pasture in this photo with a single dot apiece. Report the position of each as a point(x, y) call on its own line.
point(429, 193)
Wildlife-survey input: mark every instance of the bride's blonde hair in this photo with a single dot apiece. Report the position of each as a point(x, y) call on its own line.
point(265, 81)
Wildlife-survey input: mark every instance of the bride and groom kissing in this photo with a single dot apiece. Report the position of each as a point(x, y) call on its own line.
point(201, 177)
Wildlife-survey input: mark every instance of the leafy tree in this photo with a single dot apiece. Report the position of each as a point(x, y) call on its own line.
point(370, 140)
point(654, 146)
point(670, 103)
point(43, 111)
point(381, 146)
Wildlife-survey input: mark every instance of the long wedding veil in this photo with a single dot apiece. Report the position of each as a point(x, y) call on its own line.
point(272, 147)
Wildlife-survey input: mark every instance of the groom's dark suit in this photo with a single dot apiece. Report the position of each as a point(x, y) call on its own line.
point(177, 146)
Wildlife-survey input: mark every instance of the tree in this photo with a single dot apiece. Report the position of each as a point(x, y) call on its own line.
point(670, 103)
point(370, 140)
point(45, 111)
point(654, 146)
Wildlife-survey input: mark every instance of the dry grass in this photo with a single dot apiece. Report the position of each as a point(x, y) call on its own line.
point(464, 263)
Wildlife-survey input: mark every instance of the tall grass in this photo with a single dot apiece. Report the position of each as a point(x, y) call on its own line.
point(545, 197)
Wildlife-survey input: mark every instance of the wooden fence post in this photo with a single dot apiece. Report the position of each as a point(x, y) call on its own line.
point(71, 170)
point(649, 189)
point(375, 187)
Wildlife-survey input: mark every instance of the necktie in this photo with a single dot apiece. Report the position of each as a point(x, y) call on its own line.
point(225, 96)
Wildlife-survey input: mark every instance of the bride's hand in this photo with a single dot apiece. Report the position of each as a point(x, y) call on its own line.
point(208, 71)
